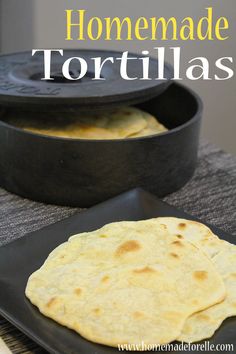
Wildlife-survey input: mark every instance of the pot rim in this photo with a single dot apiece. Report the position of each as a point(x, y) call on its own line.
point(196, 116)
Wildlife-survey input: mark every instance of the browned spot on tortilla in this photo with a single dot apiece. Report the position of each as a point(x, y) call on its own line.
point(144, 270)
point(51, 302)
point(200, 274)
point(195, 302)
point(105, 278)
point(86, 127)
point(180, 236)
point(174, 255)
point(213, 243)
point(62, 256)
point(78, 291)
point(208, 232)
point(173, 316)
point(97, 311)
point(233, 275)
point(164, 226)
point(178, 243)
point(103, 236)
point(138, 314)
point(201, 316)
point(182, 225)
point(128, 246)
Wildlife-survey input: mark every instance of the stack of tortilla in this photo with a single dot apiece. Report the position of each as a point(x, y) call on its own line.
point(123, 123)
point(145, 282)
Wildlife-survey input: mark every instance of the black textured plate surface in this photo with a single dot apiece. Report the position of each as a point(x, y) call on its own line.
point(22, 257)
point(21, 84)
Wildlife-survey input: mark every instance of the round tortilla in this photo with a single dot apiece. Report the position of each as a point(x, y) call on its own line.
point(203, 325)
point(118, 124)
point(153, 127)
point(128, 282)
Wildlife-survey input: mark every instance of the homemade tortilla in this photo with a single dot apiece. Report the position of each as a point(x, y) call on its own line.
point(123, 123)
point(203, 325)
point(128, 282)
point(153, 127)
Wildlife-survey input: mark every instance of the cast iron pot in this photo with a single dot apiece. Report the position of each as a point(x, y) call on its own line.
point(81, 173)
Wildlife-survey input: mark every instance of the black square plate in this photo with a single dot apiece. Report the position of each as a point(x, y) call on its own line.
point(22, 257)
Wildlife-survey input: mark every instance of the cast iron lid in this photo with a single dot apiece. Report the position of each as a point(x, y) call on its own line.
point(21, 84)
